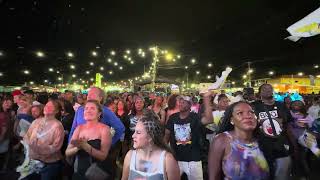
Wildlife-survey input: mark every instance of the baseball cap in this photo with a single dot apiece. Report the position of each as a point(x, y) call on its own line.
point(16, 92)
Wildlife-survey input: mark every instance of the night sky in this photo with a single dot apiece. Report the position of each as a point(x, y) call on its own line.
point(225, 33)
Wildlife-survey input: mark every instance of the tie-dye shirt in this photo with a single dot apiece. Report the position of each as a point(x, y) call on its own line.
point(244, 162)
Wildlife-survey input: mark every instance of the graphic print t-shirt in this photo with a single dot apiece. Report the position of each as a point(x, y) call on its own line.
point(185, 136)
point(274, 144)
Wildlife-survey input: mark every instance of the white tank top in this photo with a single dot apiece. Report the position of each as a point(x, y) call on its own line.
point(157, 175)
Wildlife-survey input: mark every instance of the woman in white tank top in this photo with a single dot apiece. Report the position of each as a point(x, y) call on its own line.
point(151, 159)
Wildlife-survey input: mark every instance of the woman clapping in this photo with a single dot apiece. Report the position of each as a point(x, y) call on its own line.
point(90, 143)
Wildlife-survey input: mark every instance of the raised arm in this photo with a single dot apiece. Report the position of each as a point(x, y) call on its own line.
point(207, 118)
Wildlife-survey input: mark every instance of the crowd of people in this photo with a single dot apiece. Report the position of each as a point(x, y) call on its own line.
point(154, 136)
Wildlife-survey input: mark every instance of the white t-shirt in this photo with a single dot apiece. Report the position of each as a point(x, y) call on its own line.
point(314, 111)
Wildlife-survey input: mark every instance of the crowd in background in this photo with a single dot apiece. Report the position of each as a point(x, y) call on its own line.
point(214, 135)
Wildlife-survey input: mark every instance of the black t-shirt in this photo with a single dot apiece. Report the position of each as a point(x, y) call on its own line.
point(273, 144)
point(185, 136)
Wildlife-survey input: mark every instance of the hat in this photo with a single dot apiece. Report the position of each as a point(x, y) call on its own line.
point(16, 92)
point(186, 98)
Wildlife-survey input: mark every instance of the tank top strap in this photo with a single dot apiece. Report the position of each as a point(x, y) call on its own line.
point(161, 162)
point(133, 160)
point(229, 135)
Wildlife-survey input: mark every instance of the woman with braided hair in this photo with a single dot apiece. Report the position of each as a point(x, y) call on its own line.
point(151, 158)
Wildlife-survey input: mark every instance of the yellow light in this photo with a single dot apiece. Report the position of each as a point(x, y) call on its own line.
point(271, 73)
point(31, 82)
point(40, 54)
point(197, 72)
point(128, 51)
point(72, 66)
point(169, 56)
point(45, 81)
point(186, 67)
point(233, 82)
point(87, 72)
point(178, 56)
point(51, 69)
point(26, 72)
point(193, 61)
point(250, 71)
point(316, 66)
point(109, 60)
point(132, 62)
point(91, 79)
point(120, 67)
point(113, 53)
point(101, 68)
point(318, 76)
point(115, 63)
point(91, 64)
point(300, 74)
point(1, 74)
point(59, 78)
point(70, 54)
point(73, 75)
point(209, 65)
point(94, 53)
point(125, 56)
point(208, 77)
point(110, 72)
point(244, 76)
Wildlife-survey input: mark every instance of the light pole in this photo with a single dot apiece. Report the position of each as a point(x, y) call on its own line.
point(154, 67)
point(249, 74)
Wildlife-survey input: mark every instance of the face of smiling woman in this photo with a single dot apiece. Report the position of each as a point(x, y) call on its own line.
point(91, 112)
point(49, 109)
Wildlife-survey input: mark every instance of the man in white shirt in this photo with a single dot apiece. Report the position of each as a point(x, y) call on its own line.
point(314, 110)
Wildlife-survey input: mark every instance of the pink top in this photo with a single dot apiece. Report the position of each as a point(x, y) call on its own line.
point(47, 137)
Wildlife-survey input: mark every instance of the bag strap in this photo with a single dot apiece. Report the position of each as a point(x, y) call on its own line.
point(270, 120)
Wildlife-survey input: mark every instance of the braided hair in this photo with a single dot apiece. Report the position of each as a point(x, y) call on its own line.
point(154, 128)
